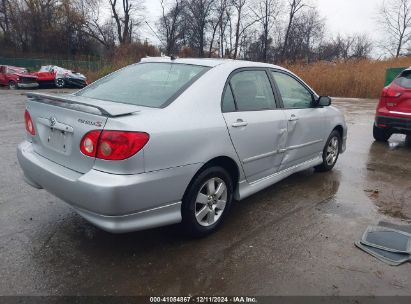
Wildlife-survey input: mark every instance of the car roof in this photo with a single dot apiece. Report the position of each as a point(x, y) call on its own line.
point(211, 62)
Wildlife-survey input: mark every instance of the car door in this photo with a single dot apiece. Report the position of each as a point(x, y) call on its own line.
point(256, 125)
point(306, 125)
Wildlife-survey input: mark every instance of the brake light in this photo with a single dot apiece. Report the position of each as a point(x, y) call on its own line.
point(391, 93)
point(29, 123)
point(113, 145)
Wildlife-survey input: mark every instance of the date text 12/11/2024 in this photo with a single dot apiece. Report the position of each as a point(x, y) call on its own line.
point(203, 299)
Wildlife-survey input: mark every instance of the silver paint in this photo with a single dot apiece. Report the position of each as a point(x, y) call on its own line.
point(136, 193)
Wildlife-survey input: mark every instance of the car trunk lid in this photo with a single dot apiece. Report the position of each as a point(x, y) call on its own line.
point(60, 123)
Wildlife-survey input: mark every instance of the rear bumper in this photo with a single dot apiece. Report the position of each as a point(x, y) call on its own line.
point(399, 124)
point(27, 85)
point(115, 203)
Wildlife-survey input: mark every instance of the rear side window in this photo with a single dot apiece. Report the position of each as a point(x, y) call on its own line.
point(404, 80)
point(146, 84)
point(252, 91)
point(228, 100)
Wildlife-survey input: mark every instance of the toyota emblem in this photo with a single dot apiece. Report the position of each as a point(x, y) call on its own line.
point(53, 121)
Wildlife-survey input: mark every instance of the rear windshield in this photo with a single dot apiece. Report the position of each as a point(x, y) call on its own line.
point(145, 84)
point(404, 80)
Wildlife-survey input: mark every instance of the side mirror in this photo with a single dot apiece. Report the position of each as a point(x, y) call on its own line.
point(324, 101)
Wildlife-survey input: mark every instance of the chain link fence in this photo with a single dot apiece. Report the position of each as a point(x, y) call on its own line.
point(35, 64)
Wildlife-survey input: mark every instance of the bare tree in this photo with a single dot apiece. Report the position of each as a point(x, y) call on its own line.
point(239, 6)
point(266, 14)
point(4, 18)
point(95, 26)
point(245, 19)
point(199, 13)
point(170, 25)
point(218, 21)
point(123, 17)
point(361, 47)
point(356, 46)
point(395, 18)
point(304, 36)
point(294, 7)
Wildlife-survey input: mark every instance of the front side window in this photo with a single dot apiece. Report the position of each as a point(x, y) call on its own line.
point(293, 93)
point(146, 84)
point(252, 91)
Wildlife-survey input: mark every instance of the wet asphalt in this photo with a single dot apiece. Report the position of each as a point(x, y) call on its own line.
point(294, 238)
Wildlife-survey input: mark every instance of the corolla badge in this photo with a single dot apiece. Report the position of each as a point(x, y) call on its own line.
point(98, 124)
point(53, 121)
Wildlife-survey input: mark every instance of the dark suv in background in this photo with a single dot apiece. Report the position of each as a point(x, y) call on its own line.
point(394, 109)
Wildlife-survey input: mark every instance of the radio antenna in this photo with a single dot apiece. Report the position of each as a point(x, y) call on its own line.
point(157, 36)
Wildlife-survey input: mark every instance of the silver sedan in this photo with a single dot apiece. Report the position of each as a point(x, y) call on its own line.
point(176, 141)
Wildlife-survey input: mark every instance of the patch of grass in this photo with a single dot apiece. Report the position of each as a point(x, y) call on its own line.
point(352, 78)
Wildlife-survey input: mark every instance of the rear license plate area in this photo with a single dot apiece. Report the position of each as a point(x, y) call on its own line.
point(58, 140)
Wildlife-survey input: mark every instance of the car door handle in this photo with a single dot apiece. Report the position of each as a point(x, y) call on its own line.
point(293, 118)
point(240, 123)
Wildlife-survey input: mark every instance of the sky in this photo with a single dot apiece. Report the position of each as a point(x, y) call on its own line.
point(342, 16)
point(350, 16)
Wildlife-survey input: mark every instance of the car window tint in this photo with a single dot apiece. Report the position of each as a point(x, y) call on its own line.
point(147, 84)
point(252, 91)
point(228, 100)
point(404, 80)
point(293, 93)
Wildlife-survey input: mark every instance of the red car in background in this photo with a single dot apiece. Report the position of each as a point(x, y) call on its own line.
point(16, 77)
point(394, 109)
point(60, 77)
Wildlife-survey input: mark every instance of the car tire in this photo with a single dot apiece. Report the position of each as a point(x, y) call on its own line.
point(13, 85)
point(380, 135)
point(331, 152)
point(60, 83)
point(205, 205)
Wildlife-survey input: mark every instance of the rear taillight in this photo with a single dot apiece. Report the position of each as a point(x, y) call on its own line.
point(113, 145)
point(29, 123)
point(89, 143)
point(390, 93)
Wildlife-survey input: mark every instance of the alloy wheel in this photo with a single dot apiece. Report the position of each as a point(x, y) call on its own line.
point(211, 202)
point(332, 151)
point(59, 83)
point(12, 85)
